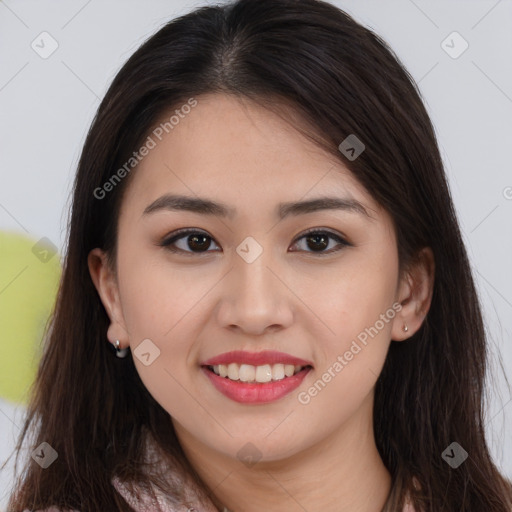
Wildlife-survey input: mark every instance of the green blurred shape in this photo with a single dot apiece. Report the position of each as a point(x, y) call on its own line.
point(29, 277)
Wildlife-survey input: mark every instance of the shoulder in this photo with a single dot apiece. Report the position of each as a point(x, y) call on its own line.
point(409, 507)
point(154, 500)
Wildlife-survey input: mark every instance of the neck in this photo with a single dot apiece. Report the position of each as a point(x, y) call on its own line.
point(343, 472)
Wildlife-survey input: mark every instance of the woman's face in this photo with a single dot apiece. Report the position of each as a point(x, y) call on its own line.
point(252, 281)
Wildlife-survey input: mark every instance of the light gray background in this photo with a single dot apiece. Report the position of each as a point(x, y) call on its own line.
point(47, 105)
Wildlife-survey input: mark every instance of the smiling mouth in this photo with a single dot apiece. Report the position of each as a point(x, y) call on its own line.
point(256, 374)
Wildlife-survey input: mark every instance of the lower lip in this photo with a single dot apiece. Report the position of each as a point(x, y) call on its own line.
point(254, 393)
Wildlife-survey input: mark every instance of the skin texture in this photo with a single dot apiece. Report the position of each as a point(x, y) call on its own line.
point(315, 456)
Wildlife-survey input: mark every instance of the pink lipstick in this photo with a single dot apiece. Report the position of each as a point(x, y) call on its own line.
point(256, 377)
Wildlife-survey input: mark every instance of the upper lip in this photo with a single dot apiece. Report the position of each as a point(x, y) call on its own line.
point(256, 358)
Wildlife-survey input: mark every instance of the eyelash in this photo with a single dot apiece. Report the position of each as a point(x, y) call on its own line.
point(182, 233)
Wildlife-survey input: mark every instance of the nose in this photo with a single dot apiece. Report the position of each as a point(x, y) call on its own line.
point(255, 298)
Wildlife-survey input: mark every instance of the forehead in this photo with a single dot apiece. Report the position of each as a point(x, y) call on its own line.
point(241, 153)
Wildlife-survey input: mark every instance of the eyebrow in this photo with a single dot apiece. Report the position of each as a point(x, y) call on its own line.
point(205, 206)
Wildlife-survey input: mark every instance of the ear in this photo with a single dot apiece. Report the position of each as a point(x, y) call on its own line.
point(415, 295)
point(105, 282)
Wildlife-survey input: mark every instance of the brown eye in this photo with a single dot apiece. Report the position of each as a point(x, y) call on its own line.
point(197, 242)
point(191, 242)
point(317, 241)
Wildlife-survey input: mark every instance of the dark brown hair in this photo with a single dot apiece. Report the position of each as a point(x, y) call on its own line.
point(338, 78)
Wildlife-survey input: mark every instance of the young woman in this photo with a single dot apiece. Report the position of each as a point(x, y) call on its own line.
point(263, 233)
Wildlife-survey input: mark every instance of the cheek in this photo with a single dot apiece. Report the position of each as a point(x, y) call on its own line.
point(358, 293)
point(156, 297)
point(351, 361)
point(161, 304)
point(357, 309)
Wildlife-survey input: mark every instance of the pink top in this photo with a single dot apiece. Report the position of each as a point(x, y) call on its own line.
point(162, 505)
point(164, 508)
point(159, 502)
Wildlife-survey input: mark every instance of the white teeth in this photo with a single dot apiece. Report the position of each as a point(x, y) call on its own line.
point(289, 369)
point(233, 370)
point(246, 373)
point(262, 374)
point(278, 372)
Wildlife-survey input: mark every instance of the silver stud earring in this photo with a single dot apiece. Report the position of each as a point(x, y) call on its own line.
point(405, 328)
point(120, 352)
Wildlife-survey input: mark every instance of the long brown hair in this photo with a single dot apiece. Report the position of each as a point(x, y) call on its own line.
point(339, 78)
